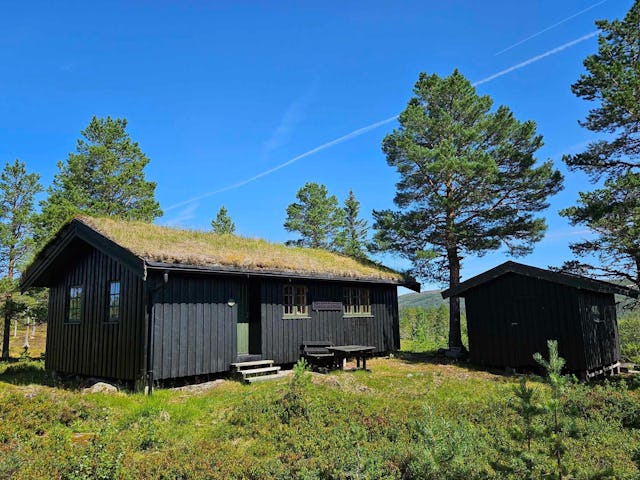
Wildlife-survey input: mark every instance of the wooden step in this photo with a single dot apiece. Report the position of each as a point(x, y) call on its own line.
point(261, 378)
point(238, 366)
point(259, 371)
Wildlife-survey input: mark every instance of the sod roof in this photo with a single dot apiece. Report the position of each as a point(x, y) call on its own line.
point(169, 245)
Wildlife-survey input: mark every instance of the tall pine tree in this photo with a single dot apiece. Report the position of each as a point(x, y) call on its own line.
point(612, 211)
point(17, 191)
point(105, 177)
point(468, 183)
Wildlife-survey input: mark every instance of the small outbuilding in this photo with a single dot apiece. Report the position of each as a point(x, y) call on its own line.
point(139, 302)
point(513, 309)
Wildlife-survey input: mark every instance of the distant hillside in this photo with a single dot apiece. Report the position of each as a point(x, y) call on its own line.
point(428, 299)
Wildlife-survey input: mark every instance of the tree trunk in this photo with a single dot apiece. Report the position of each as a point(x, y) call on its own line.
point(26, 336)
point(7, 327)
point(455, 334)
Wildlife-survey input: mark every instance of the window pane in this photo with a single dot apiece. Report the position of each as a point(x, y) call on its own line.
point(75, 304)
point(114, 301)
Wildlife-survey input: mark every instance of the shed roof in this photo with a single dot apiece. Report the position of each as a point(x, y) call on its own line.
point(571, 280)
point(145, 246)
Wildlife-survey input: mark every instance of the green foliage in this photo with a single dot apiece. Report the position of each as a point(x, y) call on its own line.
point(223, 224)
point(17, 191)
point(629, 332)
point(105, 177)
point(316, 216)
point(613, 81)
point(294, 403)
point(426, 328)
point(611, 212)
point(556, 433)
point(418, 420)
point(352, 237)
point(468, 182)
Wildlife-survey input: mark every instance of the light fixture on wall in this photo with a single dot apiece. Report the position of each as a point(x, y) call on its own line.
point(231, 302)
point(165, 277)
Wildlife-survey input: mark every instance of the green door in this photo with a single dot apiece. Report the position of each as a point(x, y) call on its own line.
point(243, 322)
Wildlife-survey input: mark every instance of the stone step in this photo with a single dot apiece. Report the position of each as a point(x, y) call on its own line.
point(259, 371)
point(261, 378)
point(238, 366)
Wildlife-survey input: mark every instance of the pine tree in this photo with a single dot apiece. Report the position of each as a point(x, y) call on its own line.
point(612, 211)
point(316, 216)
point(105, 177)
point(222, 223)
point(352, 237)
point(17, 191)
point(468, 183)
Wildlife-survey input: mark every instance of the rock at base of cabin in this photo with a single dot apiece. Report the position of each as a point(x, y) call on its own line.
point(101, 387)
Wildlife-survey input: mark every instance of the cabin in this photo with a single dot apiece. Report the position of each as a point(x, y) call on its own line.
point(143, 303)
point(513, 309)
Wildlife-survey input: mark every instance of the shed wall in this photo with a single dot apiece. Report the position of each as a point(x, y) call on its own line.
point(512, 317)
point(599, 329)
point(94, 346)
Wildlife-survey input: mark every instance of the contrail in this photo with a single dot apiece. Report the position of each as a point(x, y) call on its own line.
point(549, 28)
point(536, 58)
point(344, 138)
point(368, 128)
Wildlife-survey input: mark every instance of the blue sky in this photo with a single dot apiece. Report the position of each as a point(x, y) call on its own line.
point(217, 93)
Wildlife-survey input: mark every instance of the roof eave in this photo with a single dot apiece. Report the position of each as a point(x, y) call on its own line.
point(249, 272)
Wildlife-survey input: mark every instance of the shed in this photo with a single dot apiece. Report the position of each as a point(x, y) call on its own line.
point(140, 302)
point(513, 309)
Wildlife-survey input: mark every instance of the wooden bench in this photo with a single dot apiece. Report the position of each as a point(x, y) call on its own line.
point(317, 354)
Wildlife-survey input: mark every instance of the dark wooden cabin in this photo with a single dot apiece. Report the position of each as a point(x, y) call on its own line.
point(139, 302)
point(513, 309)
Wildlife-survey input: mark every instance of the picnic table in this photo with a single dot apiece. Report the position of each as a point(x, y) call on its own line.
point(360, 352)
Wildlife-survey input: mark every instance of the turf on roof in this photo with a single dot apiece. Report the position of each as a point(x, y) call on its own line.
point(200, 248)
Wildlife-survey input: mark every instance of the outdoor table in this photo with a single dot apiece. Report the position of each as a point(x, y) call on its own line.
point(360, 352)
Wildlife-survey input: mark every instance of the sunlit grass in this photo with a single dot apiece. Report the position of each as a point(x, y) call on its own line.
point(201, 248)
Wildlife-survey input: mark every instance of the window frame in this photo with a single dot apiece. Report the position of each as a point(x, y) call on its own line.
point(75, 304)
point(295, 298)
point(356, 302)
point(110, 318)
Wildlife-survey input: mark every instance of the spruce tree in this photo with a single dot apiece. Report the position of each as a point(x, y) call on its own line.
point(468, 183)
point(105, 177)
point(352, 237)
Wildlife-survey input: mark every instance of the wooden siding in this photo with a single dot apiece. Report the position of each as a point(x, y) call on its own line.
point(599, 331)
point(282, 337)
point(95, 346)
point(194, 329)
point(512, 317)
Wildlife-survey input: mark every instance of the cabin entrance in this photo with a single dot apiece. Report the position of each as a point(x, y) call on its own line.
point(248, 330)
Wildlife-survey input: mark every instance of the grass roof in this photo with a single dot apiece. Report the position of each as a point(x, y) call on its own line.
point(207, 249)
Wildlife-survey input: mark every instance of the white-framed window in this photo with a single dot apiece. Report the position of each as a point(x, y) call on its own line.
point(295, 301)
point(113, 308)
point(356, 301)
point(74, 304)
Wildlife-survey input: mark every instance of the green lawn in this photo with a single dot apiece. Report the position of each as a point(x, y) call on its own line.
point(407, 418)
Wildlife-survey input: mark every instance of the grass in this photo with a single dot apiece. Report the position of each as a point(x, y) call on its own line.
point(37, 342)
point(410, 417)
point(174, 245)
